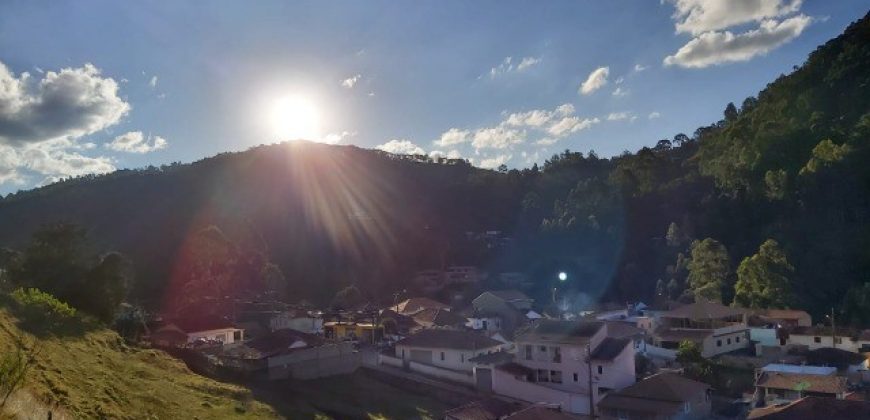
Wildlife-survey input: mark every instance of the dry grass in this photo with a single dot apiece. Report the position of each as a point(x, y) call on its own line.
point(95, 375)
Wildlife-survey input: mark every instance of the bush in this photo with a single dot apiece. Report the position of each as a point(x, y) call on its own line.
point(40, 308)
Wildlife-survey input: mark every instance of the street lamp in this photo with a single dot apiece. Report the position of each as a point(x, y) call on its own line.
point(563, 276)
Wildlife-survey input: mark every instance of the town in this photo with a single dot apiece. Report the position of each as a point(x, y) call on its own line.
point(511, 357)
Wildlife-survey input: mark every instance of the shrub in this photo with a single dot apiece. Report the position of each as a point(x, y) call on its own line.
point(40, 308)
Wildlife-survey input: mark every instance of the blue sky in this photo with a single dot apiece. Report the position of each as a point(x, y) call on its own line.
point(126, 84)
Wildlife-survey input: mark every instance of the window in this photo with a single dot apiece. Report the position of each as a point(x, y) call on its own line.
point(442, 355)
point(718, 343)
point(576, 377)
point(403, 353)
point(556, 376)
point(461, 357)
point(557, 355)
point(543, 349)
point(817, 339)
point(484, 324)
point(729, 341)
point(687, 407)
point(737, 339)
point(543, 375)
point(600, 369)
point(839, 340)
point(528, 352)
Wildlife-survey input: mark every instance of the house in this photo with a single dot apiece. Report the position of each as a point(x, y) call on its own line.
point(716, 328)
point(366, 332)
point(435, 317)
point(846, 362)
point(508, 306)
point(482, 320)
point(395, 323)
point(557, 361)
point(618, 329)
point(811, 408)
point(413, 305)
point(664, 395)
point(297, 320)
point(444, 348)
point(785, 317)
point(777, 384)
point(191, 331)
point(817, 337)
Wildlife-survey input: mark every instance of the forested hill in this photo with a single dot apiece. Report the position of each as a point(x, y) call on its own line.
point(789, 165)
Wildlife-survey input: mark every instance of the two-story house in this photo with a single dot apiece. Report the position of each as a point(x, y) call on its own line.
point(716, 328)
point(505, 308)
point(569, 364)
point(445, 348)
point(663, 396)
point(778, 384)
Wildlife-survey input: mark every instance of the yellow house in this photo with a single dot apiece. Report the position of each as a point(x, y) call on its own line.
point(361, 331)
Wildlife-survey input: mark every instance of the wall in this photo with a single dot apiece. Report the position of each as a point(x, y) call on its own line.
point(506, 384)
point(764, 336)
point(453, 359)
point(226, 333)
point(317, 362)
point(845, 343)
point(439, 373)
point(617, 373)
point(712, 349)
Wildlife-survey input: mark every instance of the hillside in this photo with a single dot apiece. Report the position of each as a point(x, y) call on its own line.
point(789, 165)
point(95, 375)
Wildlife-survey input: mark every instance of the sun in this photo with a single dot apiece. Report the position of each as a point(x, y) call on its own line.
point(294, 117)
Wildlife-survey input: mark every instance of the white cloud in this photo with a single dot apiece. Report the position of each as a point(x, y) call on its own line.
point(153, 82)
point(700, 16)
point(401, 147)
point(495, 161)
point(452, 137)
point(350, 82)
point(619, 91)
point(335, 138)
point(712, 48)
point(653, 115)
point(569, 125)
point(499, 137)
point(527, 62)
point(71, 103)
point(620, 116)
point(639, 68)
point(136, 142)
point(452, 154)
point(596, 80)
point(542, 126)
point(507, 66)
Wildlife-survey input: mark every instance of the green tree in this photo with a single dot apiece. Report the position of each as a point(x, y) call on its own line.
point(825, 154)
point(347, 298)
point(856, 305)
point(708, 269)
point(675, 236)
point(762, 279)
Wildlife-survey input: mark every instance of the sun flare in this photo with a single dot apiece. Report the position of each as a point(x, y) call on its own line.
point(295, 117)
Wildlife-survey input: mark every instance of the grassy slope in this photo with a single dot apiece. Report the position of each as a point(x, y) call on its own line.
point(96, 375)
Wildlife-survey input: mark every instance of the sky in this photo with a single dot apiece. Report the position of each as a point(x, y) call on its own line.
point(93, 86)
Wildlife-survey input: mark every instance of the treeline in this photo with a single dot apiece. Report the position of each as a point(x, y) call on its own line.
point(769, 206)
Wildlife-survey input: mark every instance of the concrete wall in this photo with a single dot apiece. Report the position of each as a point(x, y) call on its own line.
point(724, 343)
point(506, 384)
point(453, 359)
point(845, 343)
point(318, 362)
point(764, 336)
point(225, 335)
point(439, 373)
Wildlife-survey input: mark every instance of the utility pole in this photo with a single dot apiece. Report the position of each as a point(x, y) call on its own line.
point(833, 330)
point(589, 366)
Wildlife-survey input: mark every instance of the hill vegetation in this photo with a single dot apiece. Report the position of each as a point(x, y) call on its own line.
point(81, 370)
point(774, 196)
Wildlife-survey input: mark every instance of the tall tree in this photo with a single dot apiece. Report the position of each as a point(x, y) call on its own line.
point(762, 279)
point(708, 269)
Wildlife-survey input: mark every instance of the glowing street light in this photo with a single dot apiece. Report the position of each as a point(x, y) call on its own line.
point(563, 276)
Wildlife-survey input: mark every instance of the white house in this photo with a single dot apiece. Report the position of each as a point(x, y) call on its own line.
point(819, 337)
point(444, 348)
point(716, 328)
point(554, 362)
point(193, 330)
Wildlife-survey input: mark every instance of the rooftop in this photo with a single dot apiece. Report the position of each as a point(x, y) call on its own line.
point(815, 408)
point(449, 339)
point(498, 358)
point(537, 412)
point(439, 317)
point(413, 305)
point(578, 332)
point(490, 409)
point(509, 295)
point(703, 309)
point(609, 348)
point(802, 369)
point(826, 384)
point(662, 387)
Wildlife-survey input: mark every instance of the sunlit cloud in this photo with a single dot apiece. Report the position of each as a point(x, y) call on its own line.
point(136, 142)
point(350, 82)
point(596, 80)
point(401, 147)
